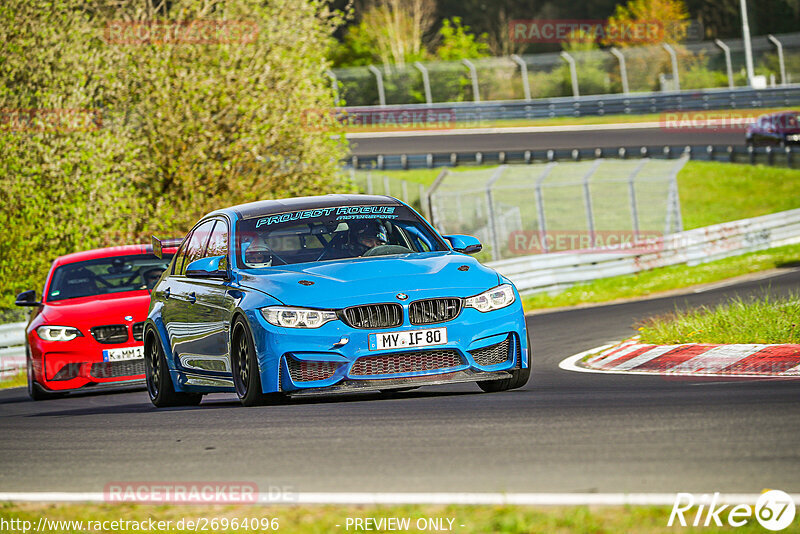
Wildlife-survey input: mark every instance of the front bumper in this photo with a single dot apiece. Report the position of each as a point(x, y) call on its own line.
point(480, 346)
point(79, 363)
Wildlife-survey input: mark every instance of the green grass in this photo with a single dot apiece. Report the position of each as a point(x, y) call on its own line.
point(712, 193)
point(664, 279)
point(764, 320)
point(324, 519)
point(18, 380)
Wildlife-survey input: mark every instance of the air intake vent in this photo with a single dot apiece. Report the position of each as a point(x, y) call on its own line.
point(112, 333)
point(374, 316)
point(302, 371)
point(406, 362)
point(117, 369)
point(137, 330)
point(433, 311)
point(493, 354)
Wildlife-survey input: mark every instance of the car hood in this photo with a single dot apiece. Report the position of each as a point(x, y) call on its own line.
point(86, 312)
point(338, 284)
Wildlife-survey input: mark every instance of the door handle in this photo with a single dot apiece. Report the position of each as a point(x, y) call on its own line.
point(192, 297)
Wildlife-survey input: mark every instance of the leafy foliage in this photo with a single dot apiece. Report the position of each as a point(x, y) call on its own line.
point(185, 128)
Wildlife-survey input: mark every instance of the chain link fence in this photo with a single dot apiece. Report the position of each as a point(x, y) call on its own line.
point(519, 210)
point(701, 65)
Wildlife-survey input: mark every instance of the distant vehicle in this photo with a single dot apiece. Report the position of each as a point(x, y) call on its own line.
point(775, 129)
point(339, 293)
point(86, 332)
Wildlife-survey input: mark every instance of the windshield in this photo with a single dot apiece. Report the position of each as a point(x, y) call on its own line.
point(114, 274)
point(332, 233)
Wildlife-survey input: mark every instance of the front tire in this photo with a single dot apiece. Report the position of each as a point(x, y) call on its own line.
point(519, 377)
point(244, 366)
point(159, 384)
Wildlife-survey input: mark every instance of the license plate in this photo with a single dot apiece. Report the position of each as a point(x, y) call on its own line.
point(128, 353)
point(408, 339)
point(793, 137)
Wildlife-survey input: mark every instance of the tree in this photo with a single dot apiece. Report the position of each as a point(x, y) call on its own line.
point(670, 17)
point(183, 128)
point(458, 42)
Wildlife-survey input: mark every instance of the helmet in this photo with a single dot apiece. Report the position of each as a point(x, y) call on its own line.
point(370, 230)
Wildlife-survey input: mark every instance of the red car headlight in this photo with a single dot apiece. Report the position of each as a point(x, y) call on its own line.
point(58, 333)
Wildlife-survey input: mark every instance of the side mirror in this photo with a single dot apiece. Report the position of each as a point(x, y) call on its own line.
point(212, 267)
point(465, 244)
point(27, 298)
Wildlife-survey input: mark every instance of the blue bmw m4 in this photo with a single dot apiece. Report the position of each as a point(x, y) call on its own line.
point(317, 295)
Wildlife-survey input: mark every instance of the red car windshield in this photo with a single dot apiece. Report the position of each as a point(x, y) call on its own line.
point(115, 274)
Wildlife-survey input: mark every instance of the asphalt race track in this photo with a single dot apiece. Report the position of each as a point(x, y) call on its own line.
point(565, 432)
point(584, 138)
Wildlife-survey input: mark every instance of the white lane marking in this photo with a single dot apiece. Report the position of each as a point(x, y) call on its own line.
point(571, 364)
point(651, 354)
point(716, 359)
point(366, 498)
point(505, 130)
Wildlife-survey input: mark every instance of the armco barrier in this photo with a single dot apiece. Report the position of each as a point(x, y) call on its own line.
point(12, 349)
point(788, 156)
point(546, 272)
point(476, 113)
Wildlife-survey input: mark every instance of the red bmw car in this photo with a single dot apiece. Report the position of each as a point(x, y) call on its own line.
point(86, 331)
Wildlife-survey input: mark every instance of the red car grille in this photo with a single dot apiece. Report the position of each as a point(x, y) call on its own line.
point(406, 362)
point(110, 333)
point(117, 369)
point(493, 354)
point(310, 371)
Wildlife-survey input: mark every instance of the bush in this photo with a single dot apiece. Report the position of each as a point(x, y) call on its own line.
point(181, 129)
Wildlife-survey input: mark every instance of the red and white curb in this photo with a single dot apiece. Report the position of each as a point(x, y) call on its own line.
point(689, 359)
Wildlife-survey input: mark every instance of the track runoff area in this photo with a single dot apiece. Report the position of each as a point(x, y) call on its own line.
point(691, 445)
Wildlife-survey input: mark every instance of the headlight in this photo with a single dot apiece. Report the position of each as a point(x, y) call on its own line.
point(297, 317)
point(58, 333)
point(494, 299)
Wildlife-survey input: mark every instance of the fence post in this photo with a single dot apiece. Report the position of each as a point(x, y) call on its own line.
point(404, 190)
point(674, 57)
point(387, 188)
point(623, 72)
point(379, 79)
point(474, 75)
point(587, 199)
point(426, 81)
point(632, 197)
point(369, 182)
point(573, 73)
point(540, 205)
point(673, 200)
point(434, 186)
point(335, 84)
point(727, 51)
point(779, 46)
point(490, 207)
point(523, 71)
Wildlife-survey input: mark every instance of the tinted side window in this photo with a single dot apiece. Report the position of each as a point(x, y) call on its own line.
point(218, 243)
point(197, 244)
point(179, 256)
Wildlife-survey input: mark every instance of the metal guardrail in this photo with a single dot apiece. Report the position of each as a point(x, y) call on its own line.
point(785, 156)
point(548, 272)
point(12, 349)
point(475, 113)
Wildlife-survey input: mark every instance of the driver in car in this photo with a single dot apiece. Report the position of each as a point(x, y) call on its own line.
point(366, 235)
